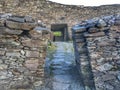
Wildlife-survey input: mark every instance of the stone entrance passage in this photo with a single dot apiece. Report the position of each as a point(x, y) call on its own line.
point(60, 32)
point(61, 71)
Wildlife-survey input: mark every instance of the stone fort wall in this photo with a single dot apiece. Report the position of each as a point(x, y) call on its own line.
point(97, 50)
point(96, 42)
point(23, 45)
point(50, 13)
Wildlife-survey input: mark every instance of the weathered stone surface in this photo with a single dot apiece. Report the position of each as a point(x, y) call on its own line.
point(17, 19)
point(2, 22)
point(6, 15)
point(98, 34)
point(28, 19)
point(79, 29)
point(117, 22)
point(94, 55)
point(28, 26)
point(21, 85)
point(13, 25)
point(38, 83)
point(3, 67)
point(104, 43)
point(108, 77)
point(32, 54)
point(80, 40)
point(65, 13)
point(21, 26)
point(32, 64)
point(36, 34)
point(6, 31)
point(118, 76)
point(33, 43)
point(101, 40)
point(22, 53)
point(93, 30)
point(13, 54)
point(101, 23)
point(5, 75)
point(42, 30)
point(2, 53)
point(117, 28)
point(104, 67)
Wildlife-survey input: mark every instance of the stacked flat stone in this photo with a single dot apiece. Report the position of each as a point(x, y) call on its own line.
point(97, 47)
point(22, 52)
point(51, 12)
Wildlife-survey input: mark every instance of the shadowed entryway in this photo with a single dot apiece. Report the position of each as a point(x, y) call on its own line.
point(60, 32)
point(60, 68)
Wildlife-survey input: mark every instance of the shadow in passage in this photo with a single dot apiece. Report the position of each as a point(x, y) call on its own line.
point(77, 79)
point(61, 72)
point(85, 70)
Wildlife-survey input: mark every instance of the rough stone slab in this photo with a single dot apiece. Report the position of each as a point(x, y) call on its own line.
point(93, 30)
point(21, 26)
point(13, 25)
point(117, 28)
point(103, 43)
point(32, 64)
point(35, 34)
point(3, 66)
point(28, 26)
point(21, 85)
point(104, 67)
point(6, 31)
point(45, 32)
point(6, 15)
point(17, 19)
point(79, 29)
point(32, 54)
point(118, 76)
point(28, 19)
point(117, 22)
point(101, 23)
point(108, 77)
point(33, 43)
point(13, 54)
point(98, 34)
point(80, 40)
point(2, 22)
point(2, 53)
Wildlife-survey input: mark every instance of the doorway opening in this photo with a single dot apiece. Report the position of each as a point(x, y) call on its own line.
point(60, 32)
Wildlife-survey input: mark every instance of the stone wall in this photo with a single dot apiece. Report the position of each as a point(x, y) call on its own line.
point(97, 50)
point(52, 13)
point(23, 46)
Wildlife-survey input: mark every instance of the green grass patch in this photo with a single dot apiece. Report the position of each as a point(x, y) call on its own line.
point(51, 50)
point(57, 33)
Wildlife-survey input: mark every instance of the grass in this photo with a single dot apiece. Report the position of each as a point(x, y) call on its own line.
point(51, 50)
point(57, 33)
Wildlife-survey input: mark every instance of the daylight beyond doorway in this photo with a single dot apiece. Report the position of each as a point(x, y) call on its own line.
point(60, 32)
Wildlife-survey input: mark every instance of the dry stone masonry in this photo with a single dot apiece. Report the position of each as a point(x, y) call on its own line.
point(97, 51)
point(52, 13)
point(23, 44)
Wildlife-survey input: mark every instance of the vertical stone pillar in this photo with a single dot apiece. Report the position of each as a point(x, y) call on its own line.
point(82, 57)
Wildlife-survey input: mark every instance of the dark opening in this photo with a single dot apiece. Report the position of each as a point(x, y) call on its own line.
point(60, 32)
